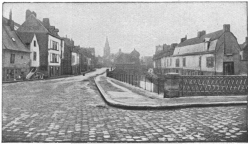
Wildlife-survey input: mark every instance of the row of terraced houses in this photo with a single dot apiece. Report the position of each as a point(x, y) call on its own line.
point(34, 49)
point(215, 53)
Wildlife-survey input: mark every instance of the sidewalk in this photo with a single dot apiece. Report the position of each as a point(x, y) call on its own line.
point(55, 77)
point(123, 95)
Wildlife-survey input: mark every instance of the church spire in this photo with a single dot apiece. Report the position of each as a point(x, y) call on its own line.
point(106, 43)
point(106, 48)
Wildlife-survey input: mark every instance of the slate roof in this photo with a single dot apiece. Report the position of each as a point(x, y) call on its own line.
point(11, 41)
point(35, 25)
point(5, 20)
point(196, 40)
point(243, 46)
point(26, 37)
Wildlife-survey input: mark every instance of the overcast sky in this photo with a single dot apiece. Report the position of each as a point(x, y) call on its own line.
point(134, 25)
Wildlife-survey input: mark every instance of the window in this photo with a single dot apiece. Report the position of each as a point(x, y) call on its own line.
point(34, 43)
point(200, 61)
point(184, 62)
point(170, 61)
point(54, 58)
point(55, 45)
point(34, 56)
point(177, 63)
point(72, 59)
point(210, 61)
point(12, 58)
point(21, 57)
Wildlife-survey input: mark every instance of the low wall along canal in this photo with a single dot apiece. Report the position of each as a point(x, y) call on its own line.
point(175, 85)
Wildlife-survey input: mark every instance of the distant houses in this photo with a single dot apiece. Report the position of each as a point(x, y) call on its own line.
point(216, 53)
point(34, 49)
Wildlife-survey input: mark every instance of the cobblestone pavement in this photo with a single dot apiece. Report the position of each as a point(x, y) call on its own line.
point(71, 110)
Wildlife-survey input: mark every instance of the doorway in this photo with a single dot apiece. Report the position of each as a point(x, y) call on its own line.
point(228, 68)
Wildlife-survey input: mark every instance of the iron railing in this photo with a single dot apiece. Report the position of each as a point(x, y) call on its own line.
point(213, 85)
point(190, 85)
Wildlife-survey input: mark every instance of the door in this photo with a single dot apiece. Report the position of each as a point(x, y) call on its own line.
point(228, 68)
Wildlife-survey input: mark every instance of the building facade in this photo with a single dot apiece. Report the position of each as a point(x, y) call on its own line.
point(51, 45)
point(216, 53)
point(15, 55)
point(67, 61)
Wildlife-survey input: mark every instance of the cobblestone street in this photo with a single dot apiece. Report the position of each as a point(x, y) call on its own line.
point(71, 109)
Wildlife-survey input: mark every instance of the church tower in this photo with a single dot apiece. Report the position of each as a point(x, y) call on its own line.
point(106, 51)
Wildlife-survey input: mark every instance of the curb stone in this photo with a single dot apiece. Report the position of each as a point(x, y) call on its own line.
point(111, 102)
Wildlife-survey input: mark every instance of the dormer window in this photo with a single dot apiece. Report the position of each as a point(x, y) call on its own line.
point(34, 43)
point(207, 40)
point(13, 39)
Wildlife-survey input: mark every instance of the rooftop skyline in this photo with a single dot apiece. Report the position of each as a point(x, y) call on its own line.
point(135, 25)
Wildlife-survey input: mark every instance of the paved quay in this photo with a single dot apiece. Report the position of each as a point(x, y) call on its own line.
point(120, 94)
point(72, 110)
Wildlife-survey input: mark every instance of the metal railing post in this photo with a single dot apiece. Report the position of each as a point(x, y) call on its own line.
point(145, 82)
point(158, 86)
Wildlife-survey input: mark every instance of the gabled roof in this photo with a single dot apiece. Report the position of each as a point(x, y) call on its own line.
point(26, 37)
point(11, 41)
point(34, 25)
point(196, 40)
point(5, 20)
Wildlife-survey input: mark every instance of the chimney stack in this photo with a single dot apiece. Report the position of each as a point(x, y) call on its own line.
point(226, 27)
point(183, 39)
point(34, 14)
point(10, 15)
point(56, 32)
point(28, 13)
point(173, 45)
point(10, 21)
point(201, 33)
point(46, 22)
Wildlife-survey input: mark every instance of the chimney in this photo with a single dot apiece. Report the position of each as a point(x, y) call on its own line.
point(46, 22)
point(199, 34)
point(56, 32)
point(28, 13)
point(203, 33)
point(34, 14)
point(173, 45)
point(183, 39)
point(10, 15)
point(10, 21)
point(226, 27)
